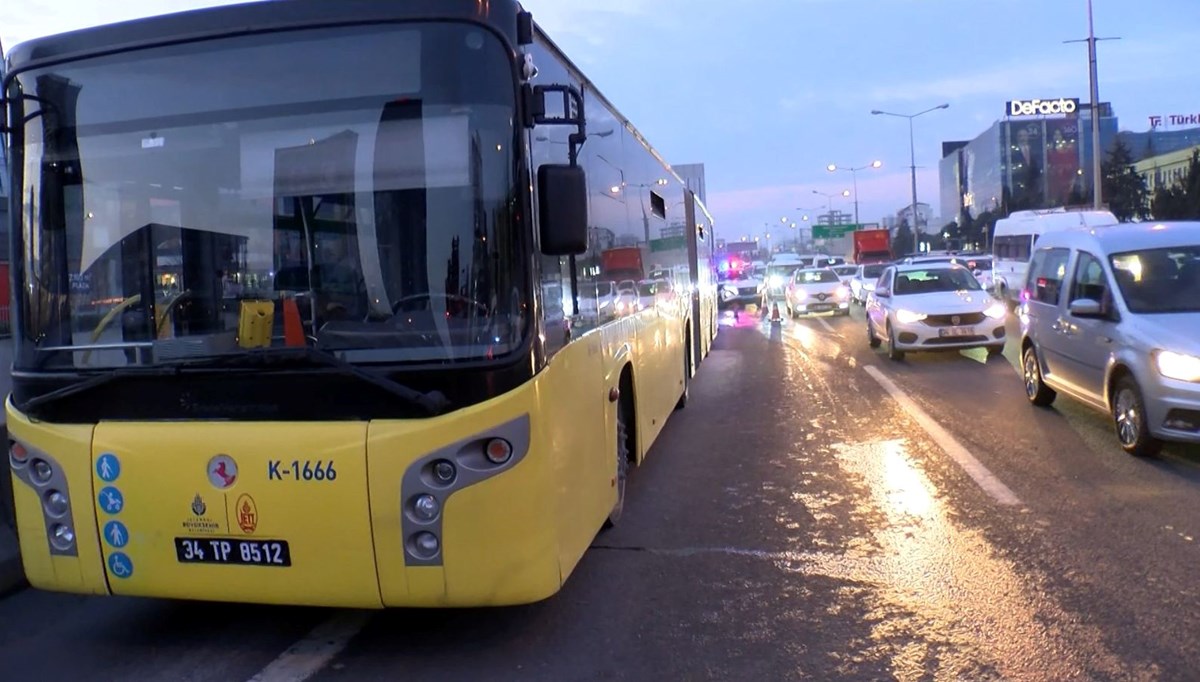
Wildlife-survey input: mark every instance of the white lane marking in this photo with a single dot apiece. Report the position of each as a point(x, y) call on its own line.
point(826, 325)
point(975, 469)
point(307, 657)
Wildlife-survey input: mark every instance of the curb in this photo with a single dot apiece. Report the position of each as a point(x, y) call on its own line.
point(12, 576)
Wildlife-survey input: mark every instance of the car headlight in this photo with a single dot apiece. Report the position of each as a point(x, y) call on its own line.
point(842, 293)
point(996, 311)
point(1178, 366)
point(801, 294)
point(908, 316)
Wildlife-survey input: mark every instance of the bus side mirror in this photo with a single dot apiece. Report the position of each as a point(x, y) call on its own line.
point(562, 198)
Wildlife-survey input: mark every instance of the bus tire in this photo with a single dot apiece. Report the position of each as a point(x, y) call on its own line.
point(624, 456)
point(687, 374)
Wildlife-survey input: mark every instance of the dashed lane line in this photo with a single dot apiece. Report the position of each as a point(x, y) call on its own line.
point(975, 469)
point(308, 656)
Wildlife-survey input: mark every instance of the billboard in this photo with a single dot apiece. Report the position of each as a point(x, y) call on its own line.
point(1062, 106)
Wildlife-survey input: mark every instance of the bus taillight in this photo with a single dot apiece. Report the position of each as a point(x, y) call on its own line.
point(498, 451)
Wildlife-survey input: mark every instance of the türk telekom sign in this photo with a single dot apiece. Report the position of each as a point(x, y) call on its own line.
point(1042, 107)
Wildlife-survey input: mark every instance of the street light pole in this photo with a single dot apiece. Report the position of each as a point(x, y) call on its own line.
point(854, 175)
point(1094, 94)
point(912, 152)
point(912, 155)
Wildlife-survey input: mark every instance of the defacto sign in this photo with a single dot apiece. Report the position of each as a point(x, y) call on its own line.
point(1042, 107)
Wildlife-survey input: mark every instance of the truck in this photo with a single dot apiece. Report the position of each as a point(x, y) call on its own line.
point(622, 262)
point(872, 246)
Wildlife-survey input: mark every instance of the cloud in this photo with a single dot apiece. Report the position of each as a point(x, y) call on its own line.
point(1050, 75)
point(27, 19)
point(752, 209)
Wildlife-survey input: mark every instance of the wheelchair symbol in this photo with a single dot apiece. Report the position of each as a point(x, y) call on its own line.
point(120, 565)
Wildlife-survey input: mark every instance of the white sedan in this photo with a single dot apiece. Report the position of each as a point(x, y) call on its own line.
point(863, 282)
point(933, 306)
point(817, 290)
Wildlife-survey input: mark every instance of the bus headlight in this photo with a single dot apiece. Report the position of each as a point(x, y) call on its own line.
point(424, 545)
point(42, 472)
point(444, 471)
point(62, 537)
point(425, 507)
point(56, 504)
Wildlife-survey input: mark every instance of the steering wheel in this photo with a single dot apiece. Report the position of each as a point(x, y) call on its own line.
point(479, 305)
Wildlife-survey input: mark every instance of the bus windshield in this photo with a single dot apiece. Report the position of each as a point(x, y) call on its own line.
point(365, 174)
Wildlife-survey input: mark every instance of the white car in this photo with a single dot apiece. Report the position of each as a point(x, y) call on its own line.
point(933, 306)
point(845, 272)
point(863, 282)
point(817, 290)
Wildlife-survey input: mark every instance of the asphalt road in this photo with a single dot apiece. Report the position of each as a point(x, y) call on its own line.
point(816, 512)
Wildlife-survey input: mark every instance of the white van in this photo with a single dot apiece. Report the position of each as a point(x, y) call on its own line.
point(1012, 244)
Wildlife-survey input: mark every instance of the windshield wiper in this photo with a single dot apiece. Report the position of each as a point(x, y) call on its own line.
point(433, 402)
point(95, 382)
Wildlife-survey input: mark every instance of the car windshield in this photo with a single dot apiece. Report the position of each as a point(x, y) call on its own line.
point(647, 288)
point(782, 271)
point(982, 264)
point(816, 277)
point(845, 270)
point(934, 281)
point(1159, 280)
point(359, 200)
point(873, 271)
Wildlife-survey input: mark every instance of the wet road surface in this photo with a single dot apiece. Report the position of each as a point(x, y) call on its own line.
point(816, 512)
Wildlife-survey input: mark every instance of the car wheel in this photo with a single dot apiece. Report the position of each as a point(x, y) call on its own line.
point(894, 353)
point(872, 340)
point(1129, 417)
point(1036, 390)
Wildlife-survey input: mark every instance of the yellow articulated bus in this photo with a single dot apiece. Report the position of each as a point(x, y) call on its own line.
point(310, 305)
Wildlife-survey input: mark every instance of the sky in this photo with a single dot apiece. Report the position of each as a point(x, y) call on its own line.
point(767, 93)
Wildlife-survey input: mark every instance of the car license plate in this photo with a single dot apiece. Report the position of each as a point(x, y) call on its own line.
point(820, 307)
point(956, 331)
point(235, 552)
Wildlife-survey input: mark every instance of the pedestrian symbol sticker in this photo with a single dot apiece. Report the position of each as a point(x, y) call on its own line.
point(119, 565)
point(108, 467)
point(116, 534)
point(111, 500)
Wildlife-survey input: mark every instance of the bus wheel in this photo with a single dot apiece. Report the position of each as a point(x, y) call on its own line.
point(622, 473)
point(687, 375)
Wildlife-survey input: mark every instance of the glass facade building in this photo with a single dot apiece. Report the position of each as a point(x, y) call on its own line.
point(1022, 163)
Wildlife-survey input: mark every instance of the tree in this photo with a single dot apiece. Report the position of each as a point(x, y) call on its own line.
point(1124, 188)
point(1181, 200)
point(904, 239)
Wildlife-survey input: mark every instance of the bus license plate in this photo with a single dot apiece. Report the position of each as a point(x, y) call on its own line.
point(235, 552)
point(956, 331)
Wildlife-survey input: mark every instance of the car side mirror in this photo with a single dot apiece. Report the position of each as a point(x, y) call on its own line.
point(883, 292)
point(562, 197)
point(1085, 307)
